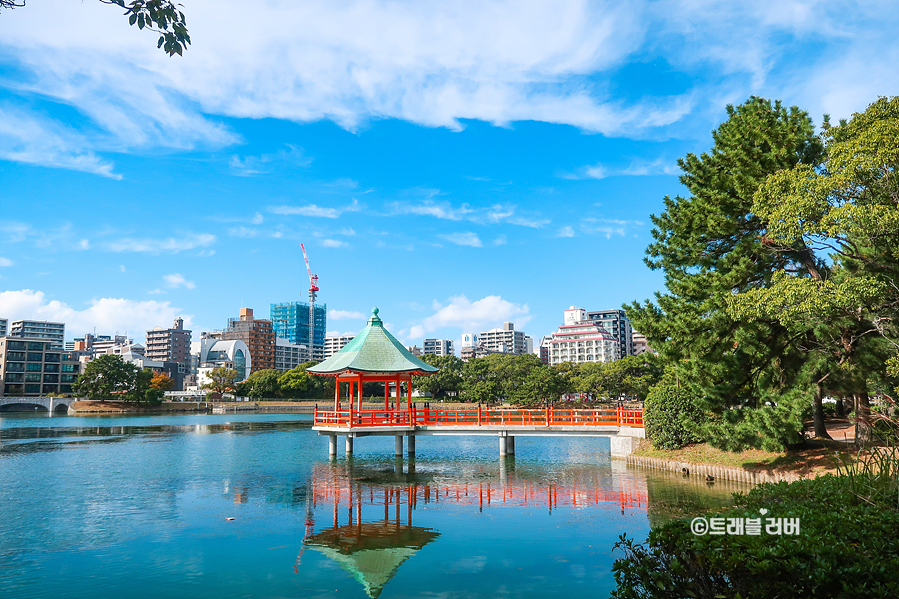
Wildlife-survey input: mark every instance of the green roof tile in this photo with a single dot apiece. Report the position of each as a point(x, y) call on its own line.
point(373, 350)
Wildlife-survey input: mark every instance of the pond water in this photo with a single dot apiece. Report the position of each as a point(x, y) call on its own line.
point(250, 505)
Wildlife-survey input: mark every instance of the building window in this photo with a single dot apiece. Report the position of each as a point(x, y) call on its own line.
point(35, 346)
point(16, 345)
point(33, 377)
point(35, 357)
point(70, 367)
point(16, 355)
point(32, 388)
point(50, 367)
point(32, 367)
point(51, 357)
point(68, 378)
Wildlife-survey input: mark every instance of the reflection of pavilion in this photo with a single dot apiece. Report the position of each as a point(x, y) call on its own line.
point(371, 552)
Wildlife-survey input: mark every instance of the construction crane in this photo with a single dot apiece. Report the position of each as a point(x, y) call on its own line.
point(313, 290)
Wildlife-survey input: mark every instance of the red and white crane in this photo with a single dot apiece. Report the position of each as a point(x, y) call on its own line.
point(313, 290)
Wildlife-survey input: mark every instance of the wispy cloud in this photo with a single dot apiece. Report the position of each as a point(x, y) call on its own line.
point(469, 316)
point(565, 232)
point(248, 166)
point(333, 243)
point(637, 168)
point(608, 226)
point(5, 261)
point(314, 210)
point(469, 239)
point(159, 246)
point(501, 240)
point(494, 214)
point(176, 280)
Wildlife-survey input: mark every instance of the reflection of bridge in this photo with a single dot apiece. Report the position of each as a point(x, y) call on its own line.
point(622, 425)
point(54, 405)
point(369, 530)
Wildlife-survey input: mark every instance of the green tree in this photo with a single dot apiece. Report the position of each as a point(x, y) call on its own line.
point(671, 415)
point(447, 381)
point(143, 390)
point(632, 377)
point(844, 217)
point(159, 16)
point(221, 379)
point(105, 377)
point(542, 386)
point(479, 382)
point(262, 383)
point(710, 245)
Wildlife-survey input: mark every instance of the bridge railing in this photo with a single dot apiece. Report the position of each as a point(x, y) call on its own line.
point(427, 416)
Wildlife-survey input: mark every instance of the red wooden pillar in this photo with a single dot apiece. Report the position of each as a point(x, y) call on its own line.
point(360, 393)
point(350, 402)
point(386, 396)
point(336, 392)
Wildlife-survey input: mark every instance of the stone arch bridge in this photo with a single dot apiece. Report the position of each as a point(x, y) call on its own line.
point(55, 405)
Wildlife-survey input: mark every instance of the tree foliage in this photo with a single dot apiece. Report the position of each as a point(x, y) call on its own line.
point(710, 245)
point(671, 415)
point(445, 382)
point(160, 16)
point(109, 376)
point(221, 379)
point(676, 563)
point(262, 383)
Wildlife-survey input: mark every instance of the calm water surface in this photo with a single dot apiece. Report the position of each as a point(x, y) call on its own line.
point(249, 506)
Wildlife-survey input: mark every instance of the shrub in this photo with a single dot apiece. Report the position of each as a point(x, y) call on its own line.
point(670, 415)
point(845, 548)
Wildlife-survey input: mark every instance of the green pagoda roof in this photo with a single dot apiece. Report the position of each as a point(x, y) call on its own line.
point(373, 350)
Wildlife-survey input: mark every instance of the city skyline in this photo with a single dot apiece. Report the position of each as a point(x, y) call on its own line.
point(501, 166)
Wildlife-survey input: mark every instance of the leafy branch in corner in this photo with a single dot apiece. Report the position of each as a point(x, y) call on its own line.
point(160, 16)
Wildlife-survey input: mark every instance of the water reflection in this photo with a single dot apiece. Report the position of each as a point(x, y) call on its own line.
point(361, 516)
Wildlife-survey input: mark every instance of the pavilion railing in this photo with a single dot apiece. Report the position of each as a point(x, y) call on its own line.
point(367, 418)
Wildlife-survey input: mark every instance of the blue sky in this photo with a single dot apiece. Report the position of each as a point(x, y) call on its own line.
point(456, 164)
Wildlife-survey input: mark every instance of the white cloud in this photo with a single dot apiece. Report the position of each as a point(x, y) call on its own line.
point(333, 243)
point(5, 261)
point(469, 239)
point(267, 163)
point(339, 334)
point(501, 240)
point(176, 280)
point(344, 314)
point(467, 316)
point(497, 213)
point(158, 246)
point(565, 232)
point(315, 211)
point(107, 315)
point(122, 267)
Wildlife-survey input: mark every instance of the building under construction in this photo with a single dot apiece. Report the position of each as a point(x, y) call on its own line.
point(291, 321)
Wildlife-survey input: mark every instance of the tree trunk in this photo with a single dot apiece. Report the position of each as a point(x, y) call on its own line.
point(841, 409)
point(818, 409)
point(863, 432)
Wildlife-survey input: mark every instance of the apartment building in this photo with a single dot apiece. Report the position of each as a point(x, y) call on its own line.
point(335, 343)
point(505, 340)
point(54, 332)
point(289, 355)
point(4, 326)
point(438, 347)
point(617, 324)
point(169, 345)
point(31, 366)
point(258, 335)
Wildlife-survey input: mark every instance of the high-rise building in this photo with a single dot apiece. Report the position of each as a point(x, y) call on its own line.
point(438, 347)
point(31, 366)
point(54, 332)
point(258, 335)
point(505, 340)
point(581, 342)
point(335, 343)
point(291, 321)
point(4, 325)
point(289, 355)
point(617, 324)
point(169, 345)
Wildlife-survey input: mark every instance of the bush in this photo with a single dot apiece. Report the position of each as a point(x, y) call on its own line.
point(845, 548)
point(670, 415)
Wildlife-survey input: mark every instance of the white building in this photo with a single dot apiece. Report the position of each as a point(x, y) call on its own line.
point(438, 347)
point(469, 340)
point(335, 343)
point(209, 353)
point(505, 340)
point(580, 340)
point(640, 345)
point(289, 355)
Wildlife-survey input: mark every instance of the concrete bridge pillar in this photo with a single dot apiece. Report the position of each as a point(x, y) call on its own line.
point(503, 446)
point(332, 445)
point(623, 446)
point(410, 444)
point(510, 445)
point(398, 446)
point(349, 445)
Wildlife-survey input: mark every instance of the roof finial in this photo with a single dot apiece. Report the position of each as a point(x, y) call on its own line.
point(374, 310)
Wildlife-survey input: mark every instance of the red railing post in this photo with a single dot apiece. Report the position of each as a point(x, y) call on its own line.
point(479, 413)
point(618, 415)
